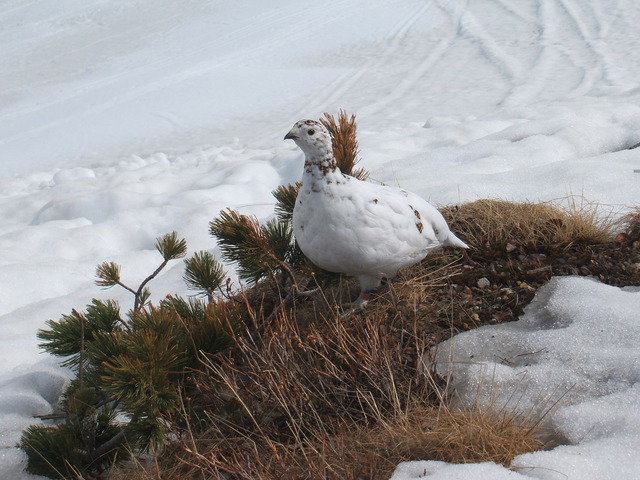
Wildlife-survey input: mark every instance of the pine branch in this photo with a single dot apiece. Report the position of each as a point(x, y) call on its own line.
point(243, 240)
point(170, 247)
point(142, 294)
point(285, 196)
point(65, 338)
point(345, 143)
point(82, 352)
point(108, 446)
point(204, 273)
point(108, 274)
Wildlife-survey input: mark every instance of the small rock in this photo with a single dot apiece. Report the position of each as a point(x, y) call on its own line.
point(525, 286)
point(622, 238)
point(497, 317)
point(484, 283)
point(511, 246)
point(584, 271)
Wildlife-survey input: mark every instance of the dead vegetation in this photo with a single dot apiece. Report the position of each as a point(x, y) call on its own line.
point(315, 395)
point(496, 226)
point(341, 400)
point(306, 393)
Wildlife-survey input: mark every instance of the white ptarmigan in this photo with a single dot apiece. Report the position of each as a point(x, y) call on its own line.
point(359, 228)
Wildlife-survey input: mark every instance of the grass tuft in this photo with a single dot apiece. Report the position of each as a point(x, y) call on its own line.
point(338, 399)
point(496, 226)
point(426, 432)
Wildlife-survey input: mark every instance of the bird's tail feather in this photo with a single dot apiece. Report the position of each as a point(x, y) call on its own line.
point(453, 241)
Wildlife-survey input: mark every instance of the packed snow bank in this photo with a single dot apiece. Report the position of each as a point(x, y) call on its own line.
point(35, 391)
point(574, 147)
point(572, 356)
point(59, 224)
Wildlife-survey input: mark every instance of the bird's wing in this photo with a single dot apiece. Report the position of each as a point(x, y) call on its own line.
point(435, 220)
point(402, 228)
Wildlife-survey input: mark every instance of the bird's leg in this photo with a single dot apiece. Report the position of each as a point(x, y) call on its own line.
point(359, 303)
point(364, 296)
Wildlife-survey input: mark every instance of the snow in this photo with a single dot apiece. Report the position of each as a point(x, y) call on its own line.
point(572, 358)
point(447, 471)
point(122, 121)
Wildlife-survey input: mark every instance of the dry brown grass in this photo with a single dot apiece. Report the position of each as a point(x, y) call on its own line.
point(279, 402)
point(313, 395)
point(317, 396)
point(344, 398)
point(437, 433)
point(499, 225)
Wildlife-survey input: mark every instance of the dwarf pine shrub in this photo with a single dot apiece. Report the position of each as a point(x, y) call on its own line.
point(131, 370)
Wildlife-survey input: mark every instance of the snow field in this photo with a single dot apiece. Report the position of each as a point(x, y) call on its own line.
point(120, 122)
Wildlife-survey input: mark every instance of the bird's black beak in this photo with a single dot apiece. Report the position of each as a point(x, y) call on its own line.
point(291, 136)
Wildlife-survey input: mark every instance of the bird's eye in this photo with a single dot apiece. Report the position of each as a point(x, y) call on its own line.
point(311, 132)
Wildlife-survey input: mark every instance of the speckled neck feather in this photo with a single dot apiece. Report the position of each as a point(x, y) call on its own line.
point(319, 164)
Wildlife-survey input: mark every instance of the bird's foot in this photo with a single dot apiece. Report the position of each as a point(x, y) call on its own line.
point(357, 305)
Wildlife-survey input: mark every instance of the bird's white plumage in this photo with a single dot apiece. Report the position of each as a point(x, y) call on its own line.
point(359, 228)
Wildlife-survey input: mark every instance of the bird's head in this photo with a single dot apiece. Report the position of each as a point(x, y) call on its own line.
point(312, 138)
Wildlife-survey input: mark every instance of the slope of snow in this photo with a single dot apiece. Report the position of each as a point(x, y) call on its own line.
point(122, 121)
point(574, 354)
